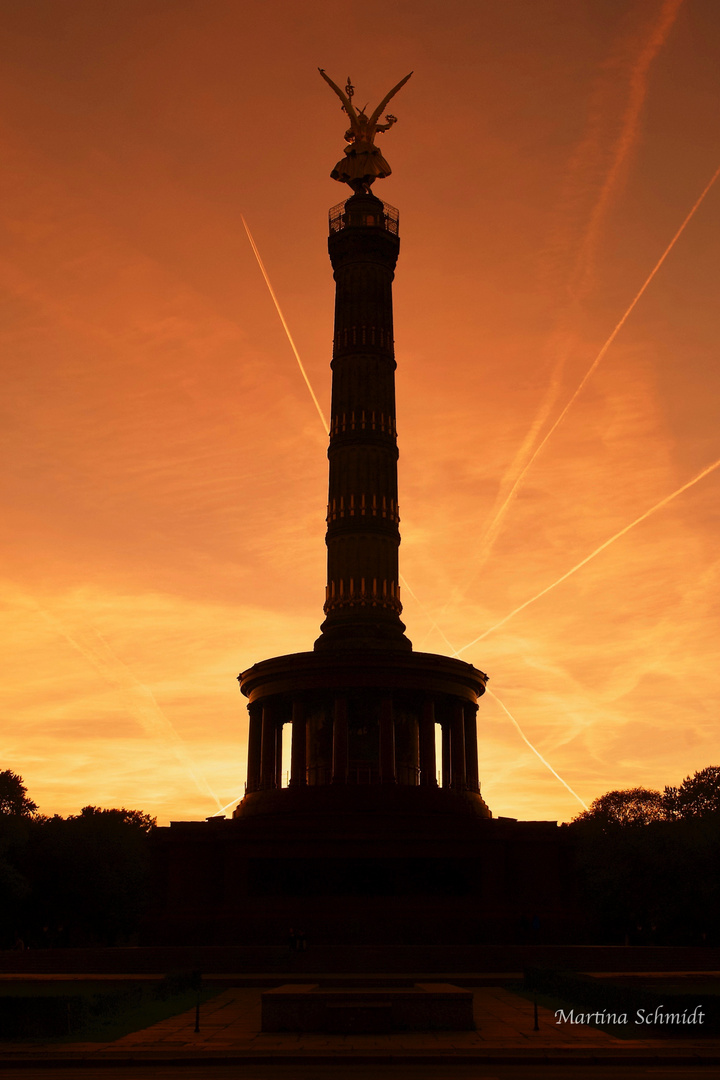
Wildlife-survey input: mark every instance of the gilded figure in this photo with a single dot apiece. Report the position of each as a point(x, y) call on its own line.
point(363, 163)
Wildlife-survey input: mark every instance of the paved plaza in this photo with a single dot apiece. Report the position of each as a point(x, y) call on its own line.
point(230, 1036)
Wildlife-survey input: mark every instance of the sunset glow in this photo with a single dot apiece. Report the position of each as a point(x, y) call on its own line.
point(557, 327)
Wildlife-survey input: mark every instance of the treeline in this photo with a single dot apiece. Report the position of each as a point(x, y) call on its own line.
point(77, 881)
point(647, 869)
point(648, 864)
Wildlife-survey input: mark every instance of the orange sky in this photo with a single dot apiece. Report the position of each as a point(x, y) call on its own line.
point(164, 478)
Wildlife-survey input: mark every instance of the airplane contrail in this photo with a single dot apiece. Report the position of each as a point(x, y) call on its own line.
point(496, 698)
point(583, 266)
point(286, 328)
point(536, 752)
point(496, 523)
point(425, 612)
point(228, 805)
point(627, 137)
point(578, 566)
point(497, 512)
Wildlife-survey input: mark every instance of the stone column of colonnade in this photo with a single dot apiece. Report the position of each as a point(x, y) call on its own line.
point(457, 745)
point(254, 747)
point(472, 776)
point(459, 761)
point(268, 753)
point(265, 748)
point(298, 749)
point(427, 744)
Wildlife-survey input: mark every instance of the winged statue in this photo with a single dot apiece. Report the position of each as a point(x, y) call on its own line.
point(363, 163)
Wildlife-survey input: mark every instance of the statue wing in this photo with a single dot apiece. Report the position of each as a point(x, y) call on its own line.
point(378, 112)
point(347, 104)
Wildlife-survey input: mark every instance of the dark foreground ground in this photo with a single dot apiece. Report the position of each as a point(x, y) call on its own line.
point(229, 1043)
point(372, 1072)
point(271, 960)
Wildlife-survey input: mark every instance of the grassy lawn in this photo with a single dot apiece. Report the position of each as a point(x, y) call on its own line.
point(96, 1011)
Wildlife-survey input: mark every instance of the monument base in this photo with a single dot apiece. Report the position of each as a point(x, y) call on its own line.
point(411, 869)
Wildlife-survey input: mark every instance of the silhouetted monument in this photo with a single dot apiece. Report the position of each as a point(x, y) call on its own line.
point(363, 163)
point(364, 844)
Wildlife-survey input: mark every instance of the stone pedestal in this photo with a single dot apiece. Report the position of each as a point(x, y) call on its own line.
point(367, 1010)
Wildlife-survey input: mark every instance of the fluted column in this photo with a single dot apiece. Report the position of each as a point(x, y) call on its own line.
point(457, 746)
point(340, 741)
point(268, 753)
point(446, 765)
point(387, 742)
point(471, 747)
point(427, 744)
point(298, 746)
point(254, 747)
point(278, 755)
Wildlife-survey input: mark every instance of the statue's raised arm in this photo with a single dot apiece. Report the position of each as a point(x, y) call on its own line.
point(363, 162)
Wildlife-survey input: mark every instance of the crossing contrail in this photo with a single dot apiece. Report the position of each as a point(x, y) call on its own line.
point(286, 328)
point(536, 752)
point(496, 523)
point(620, 152)
point(494, 696)
point(643, 517)
point(232, 803)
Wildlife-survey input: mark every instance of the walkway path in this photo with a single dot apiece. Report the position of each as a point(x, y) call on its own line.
point(230, 1033)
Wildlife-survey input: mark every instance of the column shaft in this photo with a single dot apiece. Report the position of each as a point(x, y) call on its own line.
point(298, 752)
point(268, 768)
point(446, 770)
point(362, 600)
point(471, 747)
point(254, 747)
point(340, 741)
point(387, 742)
point(457, 745)
point(427, 744)
point(278, 755)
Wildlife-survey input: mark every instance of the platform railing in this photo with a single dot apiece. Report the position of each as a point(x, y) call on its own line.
point(364, 216)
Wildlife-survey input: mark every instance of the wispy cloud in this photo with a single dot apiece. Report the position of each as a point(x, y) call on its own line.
point(623, 147)
point(593, 554)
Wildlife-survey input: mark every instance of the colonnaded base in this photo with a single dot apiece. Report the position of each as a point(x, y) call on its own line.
point(376, 839)
point(365, 718)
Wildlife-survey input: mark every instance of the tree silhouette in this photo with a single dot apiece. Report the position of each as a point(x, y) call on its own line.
point(13, 796)
point(84, 880)
point(91, 875)
point(649, 864)
point(634, 806)
point(17, 818)
point(697, 796)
